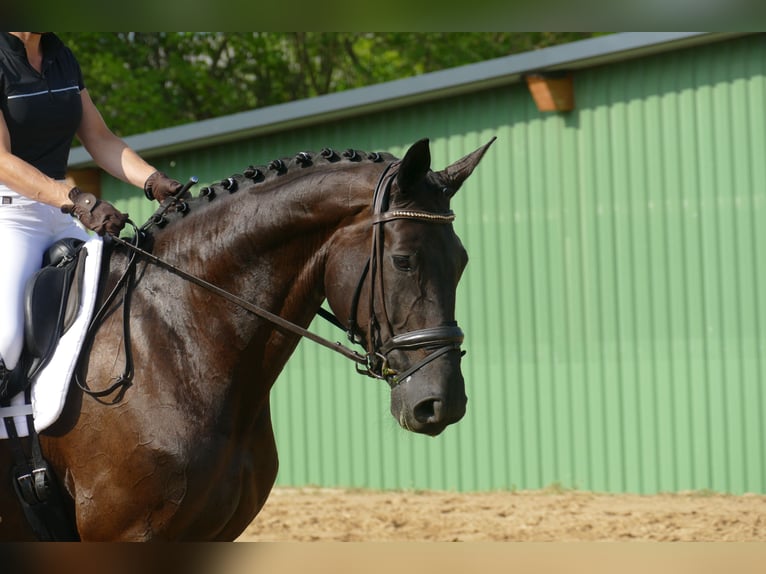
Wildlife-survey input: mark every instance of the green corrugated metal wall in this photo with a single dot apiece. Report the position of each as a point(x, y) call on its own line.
point(614, 304)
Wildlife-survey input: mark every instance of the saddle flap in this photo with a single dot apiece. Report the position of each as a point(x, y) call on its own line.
point(47, 294)
point(74, 300)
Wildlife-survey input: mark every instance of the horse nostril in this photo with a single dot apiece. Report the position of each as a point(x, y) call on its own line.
point(428, 411)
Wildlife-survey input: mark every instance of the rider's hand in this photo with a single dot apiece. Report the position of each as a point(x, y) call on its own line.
point(159, 186)
point(96, 215)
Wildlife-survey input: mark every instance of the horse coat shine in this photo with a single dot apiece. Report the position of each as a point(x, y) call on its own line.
point(188, 453)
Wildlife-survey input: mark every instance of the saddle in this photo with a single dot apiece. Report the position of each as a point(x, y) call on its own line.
point(51, 299)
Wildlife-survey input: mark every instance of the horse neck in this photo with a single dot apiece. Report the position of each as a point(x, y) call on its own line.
point(267, 245)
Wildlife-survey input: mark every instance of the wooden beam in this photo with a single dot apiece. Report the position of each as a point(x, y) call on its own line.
point(552, 91)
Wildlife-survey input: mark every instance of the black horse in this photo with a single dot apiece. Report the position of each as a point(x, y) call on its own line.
point(215, 312)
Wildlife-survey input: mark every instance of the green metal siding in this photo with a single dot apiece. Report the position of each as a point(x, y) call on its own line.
point(614, 300)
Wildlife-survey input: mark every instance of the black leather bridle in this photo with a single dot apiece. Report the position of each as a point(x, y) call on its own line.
point(442, 338)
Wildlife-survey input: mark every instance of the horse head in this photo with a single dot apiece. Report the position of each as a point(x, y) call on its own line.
point(402, 306)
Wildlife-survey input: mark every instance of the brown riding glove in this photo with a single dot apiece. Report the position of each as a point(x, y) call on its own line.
point(96, 215)
point(159, 186)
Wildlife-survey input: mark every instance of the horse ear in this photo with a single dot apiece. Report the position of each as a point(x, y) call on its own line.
point(415, 165)
point(459, 171)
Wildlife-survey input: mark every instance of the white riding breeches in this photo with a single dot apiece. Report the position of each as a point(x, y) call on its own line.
point(27, 229)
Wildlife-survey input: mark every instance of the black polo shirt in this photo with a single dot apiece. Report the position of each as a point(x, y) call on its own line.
point(42, 110)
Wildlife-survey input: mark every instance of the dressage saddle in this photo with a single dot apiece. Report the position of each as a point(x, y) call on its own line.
point(51, 300)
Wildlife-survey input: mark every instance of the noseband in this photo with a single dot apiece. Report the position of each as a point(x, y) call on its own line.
point(442, 338)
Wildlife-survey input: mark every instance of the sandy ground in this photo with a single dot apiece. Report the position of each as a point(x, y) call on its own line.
point(320, 514)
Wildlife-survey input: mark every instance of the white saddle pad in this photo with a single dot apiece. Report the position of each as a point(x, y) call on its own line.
point(49, 389)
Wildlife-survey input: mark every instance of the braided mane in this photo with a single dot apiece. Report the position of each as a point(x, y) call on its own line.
point(264, 174)
point(282, 166)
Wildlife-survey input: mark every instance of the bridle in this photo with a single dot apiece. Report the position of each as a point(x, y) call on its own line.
point(374, 363)
point(442, 338)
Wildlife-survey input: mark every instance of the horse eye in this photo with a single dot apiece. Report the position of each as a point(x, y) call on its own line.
point(402, 262)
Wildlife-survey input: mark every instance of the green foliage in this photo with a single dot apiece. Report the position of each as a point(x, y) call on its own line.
point(147, 81)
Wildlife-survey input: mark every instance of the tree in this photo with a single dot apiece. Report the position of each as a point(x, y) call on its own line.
point(147, 81)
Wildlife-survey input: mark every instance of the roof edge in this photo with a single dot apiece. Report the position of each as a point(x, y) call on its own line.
point(417, 89)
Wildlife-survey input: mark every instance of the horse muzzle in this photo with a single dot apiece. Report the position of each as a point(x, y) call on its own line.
point(433, 398)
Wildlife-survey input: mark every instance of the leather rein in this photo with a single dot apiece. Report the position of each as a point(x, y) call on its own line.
point(373, 364)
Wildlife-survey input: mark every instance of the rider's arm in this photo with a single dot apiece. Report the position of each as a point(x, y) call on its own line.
point(26, 179)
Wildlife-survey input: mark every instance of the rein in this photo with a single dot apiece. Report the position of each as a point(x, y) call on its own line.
point(374, 364)
point(278, 321)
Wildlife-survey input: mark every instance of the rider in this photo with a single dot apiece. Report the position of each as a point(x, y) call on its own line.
point(44, 103)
